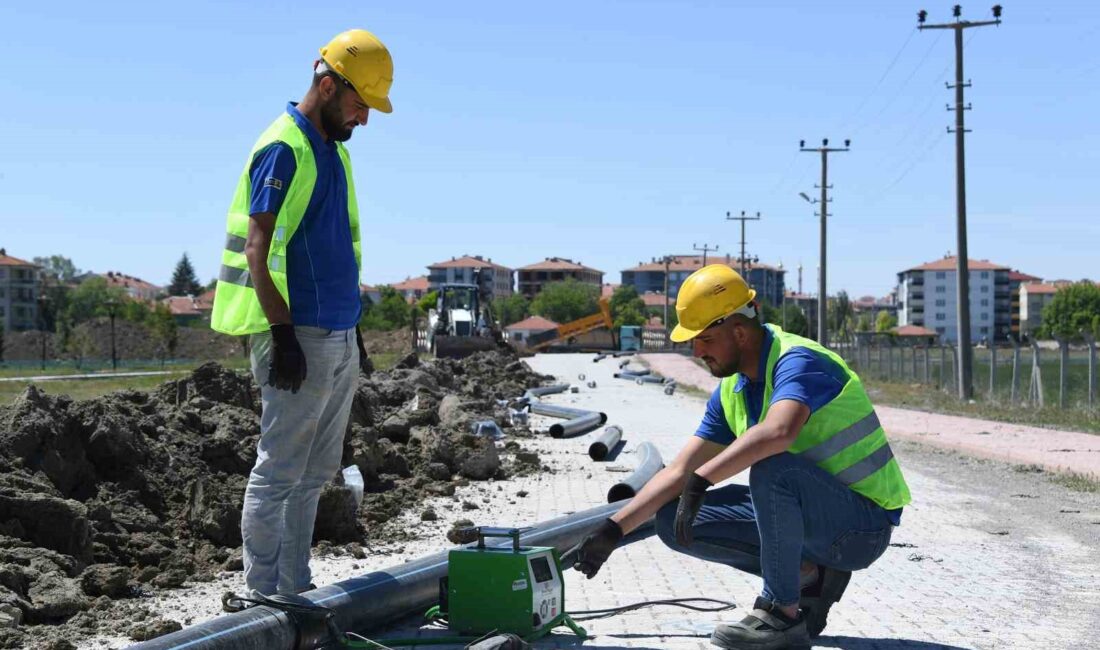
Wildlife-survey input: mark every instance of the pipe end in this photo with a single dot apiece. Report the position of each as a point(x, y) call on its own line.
point(620, 492)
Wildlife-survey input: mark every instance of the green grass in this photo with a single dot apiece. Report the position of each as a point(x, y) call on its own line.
point(80, 389)
point(927, 398)
point(1076, 482)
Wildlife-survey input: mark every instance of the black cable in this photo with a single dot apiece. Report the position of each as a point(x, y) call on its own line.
point(593, 614)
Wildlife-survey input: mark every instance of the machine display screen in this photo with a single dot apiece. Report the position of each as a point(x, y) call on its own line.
point(541, 568)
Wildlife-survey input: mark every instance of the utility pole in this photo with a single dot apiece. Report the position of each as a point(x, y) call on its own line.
point(966, 389)
point(822, 296)
point(706, 249)
point(743, 219)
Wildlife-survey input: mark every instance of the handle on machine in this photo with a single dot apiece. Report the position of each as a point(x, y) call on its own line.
point(490, 531)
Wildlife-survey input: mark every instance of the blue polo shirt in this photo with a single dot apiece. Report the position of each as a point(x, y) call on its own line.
point(801, 375)
point(322, 276)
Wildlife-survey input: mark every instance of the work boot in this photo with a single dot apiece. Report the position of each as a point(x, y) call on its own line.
point(820, 596)
point(766, 628)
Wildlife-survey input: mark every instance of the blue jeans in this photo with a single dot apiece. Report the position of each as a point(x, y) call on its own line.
point(791, 510)
point(301, 442)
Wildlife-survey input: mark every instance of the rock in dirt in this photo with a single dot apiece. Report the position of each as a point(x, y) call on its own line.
point(105, 580)
point(146, 630)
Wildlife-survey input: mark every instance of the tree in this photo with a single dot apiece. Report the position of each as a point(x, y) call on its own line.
point(427, 301)
point(885, 321)
point(89, 300)
point(796, 322)
point(184, 280)
point(58, 267)
point(863, 324)
point(511, 309)
point(627, 307)
point(164, 329)
point(1074, 308)
point(566, 301)
point(392, 312)
point(839, 311)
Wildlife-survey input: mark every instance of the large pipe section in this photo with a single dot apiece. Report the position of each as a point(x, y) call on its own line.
point(565, 412)
point(649, 463)
point(607, 441)
point(577, 426)
point(365, 602)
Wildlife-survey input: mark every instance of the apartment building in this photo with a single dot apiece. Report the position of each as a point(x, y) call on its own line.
point(927, 296)
point(533, 277)
point(649, 276)
point(18, 293)
point(462, 270)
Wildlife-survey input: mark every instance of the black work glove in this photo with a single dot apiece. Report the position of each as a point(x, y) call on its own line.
point(590, 554)
point(366, 366)
point(695, 492)
point(288, 363)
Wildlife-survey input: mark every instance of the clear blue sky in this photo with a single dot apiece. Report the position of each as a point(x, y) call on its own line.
point(608, 132)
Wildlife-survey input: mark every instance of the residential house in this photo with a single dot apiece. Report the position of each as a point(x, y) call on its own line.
point(807, 304)
point(369, 295)
point(650, 276)
point(1015, 281)
point(518, 333)
point(184, 309)
point(470, 268)
point(1033, 297)
point(874, 306)
point(927, 296)
point(18, 293)
point(533, 277)
point(136, 288)
point(412, 288)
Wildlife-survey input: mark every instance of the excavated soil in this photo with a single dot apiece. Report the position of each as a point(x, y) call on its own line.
point(107, 500)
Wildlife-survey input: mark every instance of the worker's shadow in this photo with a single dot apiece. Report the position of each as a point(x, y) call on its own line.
point(607, 642)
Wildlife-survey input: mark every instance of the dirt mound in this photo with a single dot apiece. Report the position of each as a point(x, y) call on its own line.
point(131, 492)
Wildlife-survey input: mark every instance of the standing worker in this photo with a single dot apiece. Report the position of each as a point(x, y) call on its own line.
point(290, 279)
point(824, 488)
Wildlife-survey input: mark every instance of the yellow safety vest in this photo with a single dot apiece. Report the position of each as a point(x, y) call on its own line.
point(843, 437)
point(237, 308)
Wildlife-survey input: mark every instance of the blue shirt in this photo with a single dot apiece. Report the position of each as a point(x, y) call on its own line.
point(322, 276)
point(801, 375)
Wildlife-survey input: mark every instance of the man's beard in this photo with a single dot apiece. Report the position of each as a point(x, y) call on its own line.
point(723, 370)
point(332, 121)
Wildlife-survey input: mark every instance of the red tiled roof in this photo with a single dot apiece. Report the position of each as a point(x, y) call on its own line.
point(205, 301)
point(419, 283)
point(1038, 287)
point(913, 330)
point(558, 264)
point(950, 263)
point(182, 306)
point(533, 323)
point(654, 299)
point(468, 262)
point(8, 260)
point(116, 279)
point(1017, 276)
point(607, 289)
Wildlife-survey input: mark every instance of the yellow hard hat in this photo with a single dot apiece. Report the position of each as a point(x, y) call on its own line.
point(713, 292)
point(360, 58)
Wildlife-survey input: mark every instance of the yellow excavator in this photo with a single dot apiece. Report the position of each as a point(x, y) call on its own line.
point(572, 329)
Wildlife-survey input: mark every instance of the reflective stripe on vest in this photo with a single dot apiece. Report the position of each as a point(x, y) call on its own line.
point(844, 437)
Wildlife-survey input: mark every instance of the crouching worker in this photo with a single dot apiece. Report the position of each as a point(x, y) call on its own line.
point(824, 487)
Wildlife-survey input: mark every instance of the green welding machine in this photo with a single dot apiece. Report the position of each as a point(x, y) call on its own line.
point(507, 589)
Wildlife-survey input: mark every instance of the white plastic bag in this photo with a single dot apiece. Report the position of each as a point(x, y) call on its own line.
point(353, 479)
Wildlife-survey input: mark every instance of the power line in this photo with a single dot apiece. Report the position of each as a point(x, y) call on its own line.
point(878, 83)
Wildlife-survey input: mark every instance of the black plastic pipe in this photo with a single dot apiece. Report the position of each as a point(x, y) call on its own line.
point(649, 379)
point(365, 602)
point(603, 445)
point(546, 390)
point(626, 375)
point(566, 412)
point(578, 425)
point(649, 463)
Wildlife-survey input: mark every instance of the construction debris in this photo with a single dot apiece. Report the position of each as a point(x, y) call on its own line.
point(106, 499)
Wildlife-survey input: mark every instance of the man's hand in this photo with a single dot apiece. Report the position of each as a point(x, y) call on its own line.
point(590, 554)
point(695, 492)
point(366, 366)
point(288, 363)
